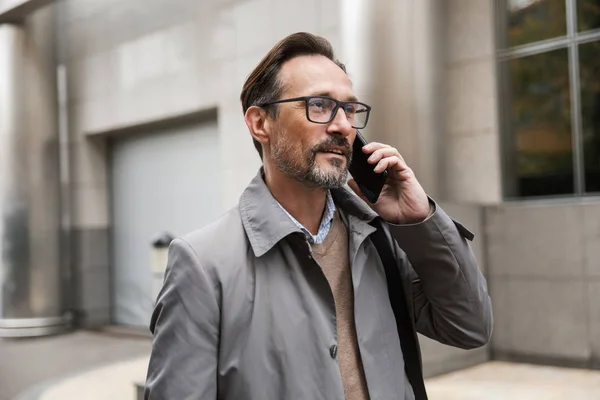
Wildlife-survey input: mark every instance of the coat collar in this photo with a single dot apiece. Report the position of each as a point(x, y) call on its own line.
point(266, 223)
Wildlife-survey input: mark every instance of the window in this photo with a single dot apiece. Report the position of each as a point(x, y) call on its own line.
point(549, 61)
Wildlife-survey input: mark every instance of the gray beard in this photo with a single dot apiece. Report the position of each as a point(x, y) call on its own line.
point(308, 172)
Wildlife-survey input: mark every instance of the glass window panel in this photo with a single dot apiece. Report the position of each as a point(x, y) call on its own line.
point(540, 124)
point(590, 112)
point(588, 14)
point(534, 20)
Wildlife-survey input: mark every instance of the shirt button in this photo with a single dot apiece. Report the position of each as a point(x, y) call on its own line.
point(333, 351)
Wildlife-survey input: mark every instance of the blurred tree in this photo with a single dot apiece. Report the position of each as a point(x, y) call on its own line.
point(590, 110)
point(588, 15)
point(534, 20)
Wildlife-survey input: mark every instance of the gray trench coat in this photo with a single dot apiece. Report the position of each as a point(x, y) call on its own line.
point(246, 313)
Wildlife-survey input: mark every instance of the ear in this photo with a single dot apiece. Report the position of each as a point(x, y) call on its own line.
point(258, 124)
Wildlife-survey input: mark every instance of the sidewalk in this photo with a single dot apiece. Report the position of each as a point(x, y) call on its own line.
point(112, 382)
point(94, 366)
point(501, 381)
point(29, 366)
point(490, 381)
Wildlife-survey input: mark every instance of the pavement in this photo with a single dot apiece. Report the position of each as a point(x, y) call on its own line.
point(95, 366)
point(29, 367)
point(489, 381)
point(122, 376)
point(501, 381)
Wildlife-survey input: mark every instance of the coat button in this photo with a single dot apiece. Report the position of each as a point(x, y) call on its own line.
point(333, 351)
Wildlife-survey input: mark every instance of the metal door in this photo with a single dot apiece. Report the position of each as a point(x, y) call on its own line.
point(166, 181)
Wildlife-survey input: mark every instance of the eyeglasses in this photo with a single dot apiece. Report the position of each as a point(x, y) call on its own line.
point(323, 109)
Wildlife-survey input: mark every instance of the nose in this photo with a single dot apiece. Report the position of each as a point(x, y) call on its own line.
point(340, 124)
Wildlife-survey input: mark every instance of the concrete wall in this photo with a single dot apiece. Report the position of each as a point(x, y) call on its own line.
point(544, 275)
point(471, 170)
point(468, 145)
point(394, 54)
point(439, 358)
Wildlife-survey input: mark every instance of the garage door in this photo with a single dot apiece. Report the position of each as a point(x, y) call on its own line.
point(165, 181)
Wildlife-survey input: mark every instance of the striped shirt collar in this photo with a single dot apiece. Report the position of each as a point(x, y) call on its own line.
point(325, 225)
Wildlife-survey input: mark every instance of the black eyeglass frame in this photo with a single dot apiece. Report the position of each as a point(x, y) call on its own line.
point(334, 111)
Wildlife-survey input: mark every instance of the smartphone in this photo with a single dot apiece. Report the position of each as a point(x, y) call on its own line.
point(370, 182)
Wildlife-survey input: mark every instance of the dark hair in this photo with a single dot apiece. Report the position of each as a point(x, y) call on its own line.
point(263, 84)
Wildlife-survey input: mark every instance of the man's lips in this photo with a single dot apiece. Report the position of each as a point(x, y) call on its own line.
point(335, 150)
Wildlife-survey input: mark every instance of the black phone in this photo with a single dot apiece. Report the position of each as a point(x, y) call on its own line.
point(370, 182)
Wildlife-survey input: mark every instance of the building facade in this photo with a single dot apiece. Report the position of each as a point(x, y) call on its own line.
point(135, 108)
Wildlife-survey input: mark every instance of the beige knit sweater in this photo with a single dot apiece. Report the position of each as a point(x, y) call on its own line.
point(332, 255)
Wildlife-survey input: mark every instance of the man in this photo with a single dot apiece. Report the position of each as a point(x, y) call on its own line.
point(285, 296)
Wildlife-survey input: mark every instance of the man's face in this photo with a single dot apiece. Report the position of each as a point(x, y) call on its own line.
point(304, 150)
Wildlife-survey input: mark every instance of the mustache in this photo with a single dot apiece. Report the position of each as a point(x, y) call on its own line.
point(333, 141)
